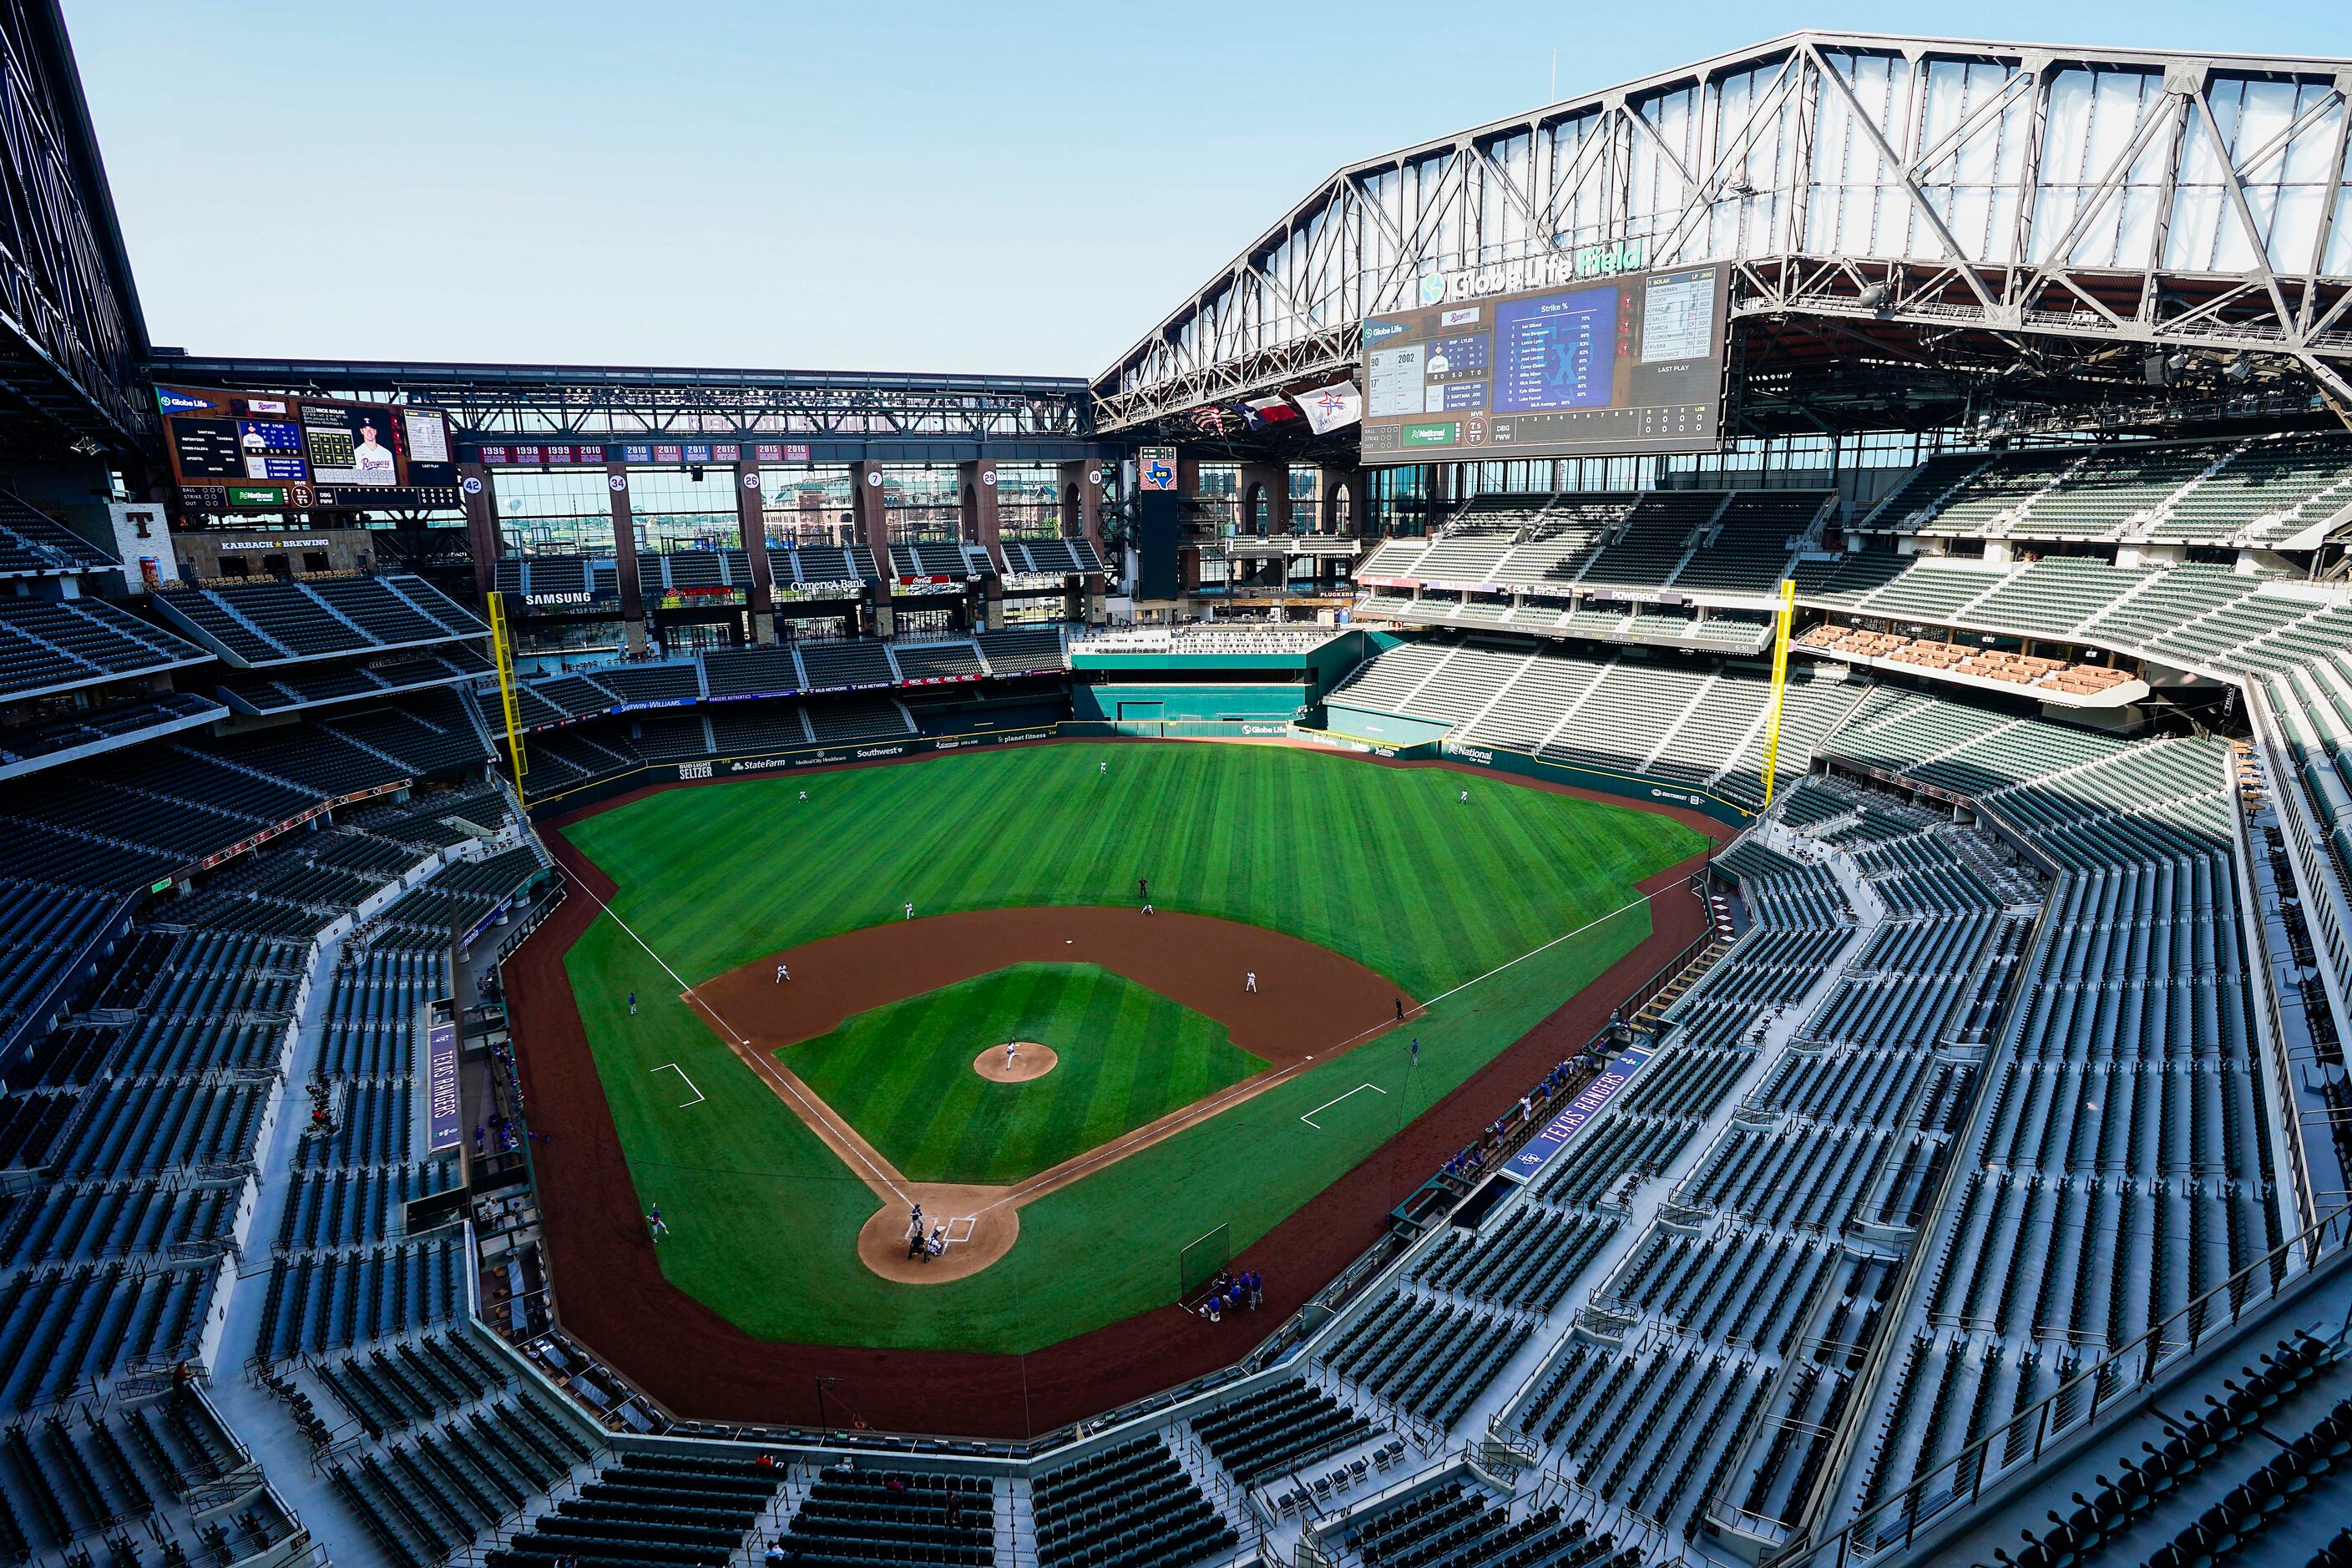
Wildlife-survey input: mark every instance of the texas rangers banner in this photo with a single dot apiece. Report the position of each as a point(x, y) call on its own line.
point(441, 1087)
point(1555, 1132)
point(1332, 407)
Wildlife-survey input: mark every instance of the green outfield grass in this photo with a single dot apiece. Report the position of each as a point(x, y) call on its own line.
point(902, 1075)
point(1385, 866)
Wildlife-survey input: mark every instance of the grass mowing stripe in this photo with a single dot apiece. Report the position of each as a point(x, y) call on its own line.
point(1384, 866)
point(903, 1074)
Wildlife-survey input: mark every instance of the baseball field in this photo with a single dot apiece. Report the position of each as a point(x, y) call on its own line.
point(785, 1126)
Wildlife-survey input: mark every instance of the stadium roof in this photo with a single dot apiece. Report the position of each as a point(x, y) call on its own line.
point(624, 401)
point(1908, 219)
point(71, 335)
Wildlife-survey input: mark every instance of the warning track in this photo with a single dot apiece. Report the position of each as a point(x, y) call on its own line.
point(615, 1299)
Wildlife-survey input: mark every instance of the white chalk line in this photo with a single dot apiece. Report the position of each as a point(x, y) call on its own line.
point(1199, 1110)
point(815, 1115)
point(684, 1104)
point(1310, 1116)
point(1104, 1153)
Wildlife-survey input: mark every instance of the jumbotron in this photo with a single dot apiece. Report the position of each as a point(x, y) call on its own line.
point(1638, 852)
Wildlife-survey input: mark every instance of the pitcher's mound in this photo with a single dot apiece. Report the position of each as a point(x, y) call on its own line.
point(981, 1229)
point(1030, 1060)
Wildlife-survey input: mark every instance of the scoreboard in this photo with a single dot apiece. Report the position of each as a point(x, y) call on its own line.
point(1631, 363)
point(237, 451)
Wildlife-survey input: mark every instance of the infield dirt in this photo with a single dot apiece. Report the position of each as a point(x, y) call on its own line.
point(1309, 1004)
point(614, 1298)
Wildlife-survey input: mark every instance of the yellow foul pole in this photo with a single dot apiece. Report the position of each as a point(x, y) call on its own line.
point(503, 651)
point(1780, 682)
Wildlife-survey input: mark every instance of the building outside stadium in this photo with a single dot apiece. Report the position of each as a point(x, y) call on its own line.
point(1634, 852)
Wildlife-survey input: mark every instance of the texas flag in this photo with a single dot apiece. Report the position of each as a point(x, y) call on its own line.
point(1330, 408)
point(1265, 411)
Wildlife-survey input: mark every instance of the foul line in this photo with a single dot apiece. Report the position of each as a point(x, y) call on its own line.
point(673, 1067)
point(813, 1115)
point(1062, 1175)
point(1310, 1116)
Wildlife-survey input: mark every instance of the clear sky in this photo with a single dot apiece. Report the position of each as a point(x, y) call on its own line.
point(1019, 188)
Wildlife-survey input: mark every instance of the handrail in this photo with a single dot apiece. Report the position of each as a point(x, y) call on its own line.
point(1977, 1461)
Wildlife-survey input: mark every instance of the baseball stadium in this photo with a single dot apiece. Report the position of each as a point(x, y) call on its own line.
point(1637, 852)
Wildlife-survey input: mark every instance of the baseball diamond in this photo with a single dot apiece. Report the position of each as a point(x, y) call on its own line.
point(1633, 851)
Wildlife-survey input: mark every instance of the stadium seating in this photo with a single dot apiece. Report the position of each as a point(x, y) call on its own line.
point(269, 623)
point(1125, 1507)
point(1022, 651)
point(1279, 1430)
point(854, 1514)
point(1427, 1356)
point(56, 644)
point(851, 665)
point(1656, 536)
point(752, 727)
point(1452, 1524)
point(34, 545)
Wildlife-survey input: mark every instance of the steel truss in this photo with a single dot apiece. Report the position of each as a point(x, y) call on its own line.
point(70, 332)
point(1944, 203)
point(622, 403)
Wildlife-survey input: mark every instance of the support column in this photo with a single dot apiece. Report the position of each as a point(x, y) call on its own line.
point(624, 557)
point(981, 522)
point(1083, 481)
point(1188, 552)
point(977, 506)
point(1332, 482)
point(751, 522)
point(482, 542)
point(1275, 480)
point(1081, 512)
point(873, 523)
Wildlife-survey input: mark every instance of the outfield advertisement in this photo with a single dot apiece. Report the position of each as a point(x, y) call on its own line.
point(1637, 788)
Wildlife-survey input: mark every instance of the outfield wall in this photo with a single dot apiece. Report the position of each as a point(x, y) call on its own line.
point(1640, 788)
point(1395, 735)
point(1148, 706)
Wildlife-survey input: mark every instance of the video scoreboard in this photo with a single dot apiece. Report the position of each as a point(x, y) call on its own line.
point(1633, 363)
point(236, 451)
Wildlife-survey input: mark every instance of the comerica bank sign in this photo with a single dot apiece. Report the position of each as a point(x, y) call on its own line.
point(1546, 271)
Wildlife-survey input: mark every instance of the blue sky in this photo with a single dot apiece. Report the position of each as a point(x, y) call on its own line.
point(1021, 188)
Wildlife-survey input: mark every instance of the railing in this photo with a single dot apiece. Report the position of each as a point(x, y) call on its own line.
point(1967, 1475)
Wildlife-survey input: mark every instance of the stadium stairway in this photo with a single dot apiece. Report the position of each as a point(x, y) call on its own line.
point(1531, 1326)
point(2169, 1470)
point(1653, 1011)
point(403, 1438)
